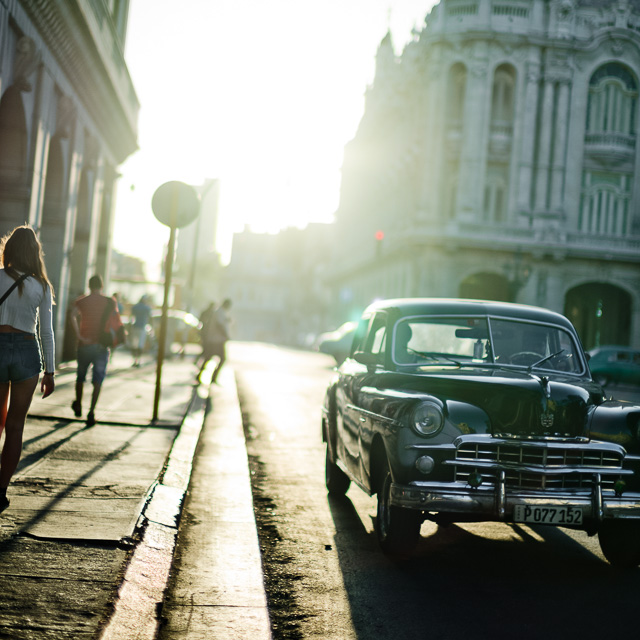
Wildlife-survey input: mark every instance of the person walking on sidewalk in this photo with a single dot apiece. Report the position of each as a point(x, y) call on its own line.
point(20, 352)
point(215, 334)
point(90, 314)
point(141, 313)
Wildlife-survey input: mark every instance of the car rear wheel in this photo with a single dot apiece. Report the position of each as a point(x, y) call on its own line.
point(398, 529)
point(335, 478)
point(620, 543)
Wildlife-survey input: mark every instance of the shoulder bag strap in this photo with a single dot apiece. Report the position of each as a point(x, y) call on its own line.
point(108, 310)
point(13, 286)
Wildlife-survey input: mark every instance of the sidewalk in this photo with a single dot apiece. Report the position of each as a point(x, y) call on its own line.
point(213, 586)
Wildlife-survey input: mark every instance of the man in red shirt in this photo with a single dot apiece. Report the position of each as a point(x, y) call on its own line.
point(88, 316)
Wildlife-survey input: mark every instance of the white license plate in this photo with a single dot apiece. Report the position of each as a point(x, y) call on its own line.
point(547, 515)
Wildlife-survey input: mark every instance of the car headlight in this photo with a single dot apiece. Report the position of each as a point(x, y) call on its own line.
point(427, 418)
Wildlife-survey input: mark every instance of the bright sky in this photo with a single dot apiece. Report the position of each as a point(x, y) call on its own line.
point(262, 95)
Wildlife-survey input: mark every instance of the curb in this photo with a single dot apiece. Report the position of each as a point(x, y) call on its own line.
point(141, 594)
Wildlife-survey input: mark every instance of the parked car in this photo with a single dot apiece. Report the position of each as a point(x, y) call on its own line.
point(615, 365)
point(338, 343)
point(467, 411)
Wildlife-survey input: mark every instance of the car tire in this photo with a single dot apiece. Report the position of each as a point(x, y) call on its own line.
point(397, 528)
point(601, 379)
point(336, 480)
point(620, 543)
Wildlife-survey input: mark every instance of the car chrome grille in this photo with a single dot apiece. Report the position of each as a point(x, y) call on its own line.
point(535, 467)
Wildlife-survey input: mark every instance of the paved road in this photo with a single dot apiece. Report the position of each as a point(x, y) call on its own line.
point(326, 577)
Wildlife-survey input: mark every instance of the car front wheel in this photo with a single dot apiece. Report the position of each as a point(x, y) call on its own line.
point(620, 543)
point(398, 529)
point(336, 480)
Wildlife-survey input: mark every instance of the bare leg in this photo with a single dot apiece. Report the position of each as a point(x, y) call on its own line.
point(21, 396)
point(4, 403)
point(95, 395)
point(79, 389)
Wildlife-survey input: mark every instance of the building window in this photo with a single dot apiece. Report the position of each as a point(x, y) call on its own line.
point(604, 207)
point(613, 99)
point(502, 97)
point(610, 143)
point(457, 91)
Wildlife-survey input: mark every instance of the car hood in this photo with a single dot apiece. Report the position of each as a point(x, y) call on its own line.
point(519, 404)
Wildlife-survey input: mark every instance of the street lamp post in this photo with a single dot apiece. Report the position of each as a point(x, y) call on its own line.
point(174, 204)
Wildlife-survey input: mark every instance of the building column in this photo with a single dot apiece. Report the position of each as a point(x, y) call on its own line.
point(474, 138)
point(527, 131)
point(431, 197)
point(560, 147)
point(544, 149)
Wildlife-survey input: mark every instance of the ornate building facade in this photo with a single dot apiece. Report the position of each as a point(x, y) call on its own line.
point(498, 157)
point(68, 118)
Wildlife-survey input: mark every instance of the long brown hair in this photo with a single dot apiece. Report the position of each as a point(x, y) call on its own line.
point(21, 251)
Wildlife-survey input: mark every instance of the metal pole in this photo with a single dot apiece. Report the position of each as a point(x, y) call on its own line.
point(168, 270)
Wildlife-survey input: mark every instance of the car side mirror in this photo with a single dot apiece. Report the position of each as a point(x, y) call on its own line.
point(370, 360)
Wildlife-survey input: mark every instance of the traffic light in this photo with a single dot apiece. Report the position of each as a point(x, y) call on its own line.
point(379, 236)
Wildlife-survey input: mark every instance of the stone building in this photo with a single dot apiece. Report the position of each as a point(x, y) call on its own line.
point(68, 118)
point(275, 282)
point(498, 157)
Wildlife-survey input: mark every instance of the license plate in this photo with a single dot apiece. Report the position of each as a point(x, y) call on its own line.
point(547, 515)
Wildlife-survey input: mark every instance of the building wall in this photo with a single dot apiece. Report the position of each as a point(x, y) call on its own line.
point(499, 155)
point(68, 118)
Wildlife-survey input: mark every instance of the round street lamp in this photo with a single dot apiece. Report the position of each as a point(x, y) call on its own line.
point(174, 204)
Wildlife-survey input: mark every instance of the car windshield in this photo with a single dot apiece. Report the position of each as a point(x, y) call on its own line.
point(463, 341)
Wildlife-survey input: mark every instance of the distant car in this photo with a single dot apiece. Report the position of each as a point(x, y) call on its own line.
point(473, 411)
point(182, 328)
point(338, 343)
point(611, 364)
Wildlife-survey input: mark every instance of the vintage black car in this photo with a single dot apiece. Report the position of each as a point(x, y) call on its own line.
point(467, 411)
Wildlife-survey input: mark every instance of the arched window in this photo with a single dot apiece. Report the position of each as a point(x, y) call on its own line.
point(610, 143)
point(13, 137)
point(613, 97)
point(457, 88)
point(503, 94)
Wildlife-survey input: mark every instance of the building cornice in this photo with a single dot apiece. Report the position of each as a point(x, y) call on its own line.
point(102, 83)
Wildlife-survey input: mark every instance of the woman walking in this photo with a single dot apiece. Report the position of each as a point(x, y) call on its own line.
point(28, 304)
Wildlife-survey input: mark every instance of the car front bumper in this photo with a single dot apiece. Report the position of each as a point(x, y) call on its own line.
point(498, 502)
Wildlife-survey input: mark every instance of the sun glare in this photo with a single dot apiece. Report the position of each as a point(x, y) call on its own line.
point(261, 96)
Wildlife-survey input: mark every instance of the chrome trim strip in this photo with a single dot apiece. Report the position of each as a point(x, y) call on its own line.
point(541, 443)
point(617, 471)
point(371, 414)
point(437, 447)
point(597, 497)
point(501, 495)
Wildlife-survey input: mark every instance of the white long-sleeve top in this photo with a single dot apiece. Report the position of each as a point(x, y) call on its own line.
point(23, 311)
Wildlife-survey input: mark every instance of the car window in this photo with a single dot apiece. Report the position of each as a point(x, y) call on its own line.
point(423, 340)
point(376, 338)
point(360, 335)
point(426, 340)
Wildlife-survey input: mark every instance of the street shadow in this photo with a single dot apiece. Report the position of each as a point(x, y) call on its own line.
point(28, 459)
point(500, 583)
point(67, 489)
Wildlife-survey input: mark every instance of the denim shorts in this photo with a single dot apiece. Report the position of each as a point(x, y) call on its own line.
point(96, 355)
point(19, 357)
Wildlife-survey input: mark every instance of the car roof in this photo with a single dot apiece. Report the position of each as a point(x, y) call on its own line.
point(612, 347)
point(444, 306)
